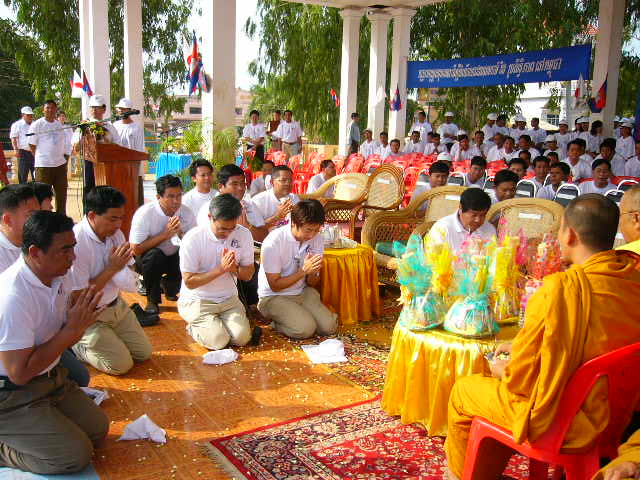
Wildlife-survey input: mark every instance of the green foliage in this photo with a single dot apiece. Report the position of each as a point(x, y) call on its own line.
point(14, 91)
point(627, 86)
point(45, 40)
point(225, 145)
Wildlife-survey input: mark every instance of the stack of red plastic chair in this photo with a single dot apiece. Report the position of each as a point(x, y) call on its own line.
point(373, 161)
point(617, 180)
point(495, 166)
point(461, 166)
point(355, 163)
point(619, 369)
point(269, 154)
point(338, 161)
point(400, 162)
point(279, 158)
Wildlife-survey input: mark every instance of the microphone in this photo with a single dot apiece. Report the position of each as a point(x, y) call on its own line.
point(127, 114)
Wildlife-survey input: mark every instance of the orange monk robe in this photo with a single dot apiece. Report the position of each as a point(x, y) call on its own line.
point(575, 316)
point(628, 452)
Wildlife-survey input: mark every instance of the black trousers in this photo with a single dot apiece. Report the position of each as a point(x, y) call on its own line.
point(77, 370)
point(259, 149)
point(26, 164)
point(89, 177)
point(353, 147)
point(248, 291)
point(154, 265)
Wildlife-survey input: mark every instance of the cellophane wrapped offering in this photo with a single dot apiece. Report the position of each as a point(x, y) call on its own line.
point(505, 273)
point(423, 306)
point(471, 315)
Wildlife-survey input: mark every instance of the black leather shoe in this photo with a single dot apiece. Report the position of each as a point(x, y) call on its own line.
point(256, 334)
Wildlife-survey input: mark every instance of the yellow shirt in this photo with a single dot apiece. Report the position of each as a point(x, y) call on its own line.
point(629, 452)
point(631, 246)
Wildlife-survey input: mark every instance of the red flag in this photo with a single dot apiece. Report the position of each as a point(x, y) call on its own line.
point(85, 85)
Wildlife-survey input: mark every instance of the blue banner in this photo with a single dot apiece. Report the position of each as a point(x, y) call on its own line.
point(529, 67)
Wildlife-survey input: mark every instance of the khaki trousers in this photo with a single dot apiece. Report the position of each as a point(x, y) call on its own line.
point(114, 342)
point(214, 325)
point(49, 426)
point(291, 149)
point(57, 178)
point(299, 316)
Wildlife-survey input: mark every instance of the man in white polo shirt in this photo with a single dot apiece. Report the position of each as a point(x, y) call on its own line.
point(272, 207)
point(327, 171)
point(47, 424)
point(263, 182)
point(490, 129)
point(47, 141)
point(201, 172)
point(448, 130)
point(20, 143)
point(423, 127)
point(103, 260)
point(254, 134)
point(131, 136)
point(291, 262)
point(17, 202)
point(290, 133)
point(156, 230)
point(212, 259)
point(468, 222)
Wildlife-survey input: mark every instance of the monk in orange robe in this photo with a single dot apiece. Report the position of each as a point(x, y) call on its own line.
point(627, 465)
point(575, 316)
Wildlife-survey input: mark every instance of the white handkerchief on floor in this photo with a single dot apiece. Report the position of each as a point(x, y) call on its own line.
point(142, 428)
point(329, 351)
point(219, 357)
point(97, 396)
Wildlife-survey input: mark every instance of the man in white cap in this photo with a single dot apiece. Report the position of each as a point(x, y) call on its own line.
point(625, 145)
point(434, 145)
point(47, 143)
point(536, 133)
point(20, 143)
point(563, 136)
point(616, 126)
point(551, 144)
point(463, 149)
point(521, 128)
point(448, 130)
point(97, 109)
point(423, 126)
point(490, 128)
point(131, 136)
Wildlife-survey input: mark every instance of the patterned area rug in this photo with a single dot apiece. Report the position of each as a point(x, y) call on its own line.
point(357, 441)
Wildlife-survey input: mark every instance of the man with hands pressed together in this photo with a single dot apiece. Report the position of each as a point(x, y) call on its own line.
point(273, 206)
point(156, 230)
point(47, 424)
point(103, 260)
point(291, 262)
point(211, 258)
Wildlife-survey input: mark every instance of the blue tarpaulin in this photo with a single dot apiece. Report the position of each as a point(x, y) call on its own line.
point(171, 163)
point(557, 64)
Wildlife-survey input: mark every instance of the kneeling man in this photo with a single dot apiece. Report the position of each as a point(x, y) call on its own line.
point(47, 424)
point(291, 261)
point(211, 257)
point(575, 316)
point(103, 260)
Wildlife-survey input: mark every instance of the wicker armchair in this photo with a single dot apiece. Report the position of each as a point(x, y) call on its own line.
point(399, 225)
point(386, 191)
point(534, 216)
point(350, 191)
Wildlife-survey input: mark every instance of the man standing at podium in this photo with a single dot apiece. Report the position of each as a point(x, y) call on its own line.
point(131, 136)
point(97, 109)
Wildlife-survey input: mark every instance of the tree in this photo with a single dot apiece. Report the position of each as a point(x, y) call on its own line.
point(45, 41)
point(14, 91)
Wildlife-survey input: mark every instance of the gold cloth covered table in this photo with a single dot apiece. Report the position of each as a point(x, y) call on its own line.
point(423, 366)
point(349, 284)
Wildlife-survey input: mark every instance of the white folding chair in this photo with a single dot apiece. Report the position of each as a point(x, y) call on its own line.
point(566, 193)
point(526, 189)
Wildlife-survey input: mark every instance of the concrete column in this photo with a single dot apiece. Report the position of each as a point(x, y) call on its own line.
point(377, 69)
point(85, 47)
point(400, 52)
point(607, 58)
point(133, 67)
point(218, 51)
point(348, 70)
point(99, 71)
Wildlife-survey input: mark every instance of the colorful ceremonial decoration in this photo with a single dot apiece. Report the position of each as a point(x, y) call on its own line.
point(196, 77)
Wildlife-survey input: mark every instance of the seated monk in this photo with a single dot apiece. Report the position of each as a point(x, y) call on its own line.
point(630, 219)
point(627, 465)
point(575, 316)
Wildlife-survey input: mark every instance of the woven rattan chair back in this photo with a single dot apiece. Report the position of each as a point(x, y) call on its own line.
point(444, 201)
point(387, 187)
point(534, 216)
point(350, 186)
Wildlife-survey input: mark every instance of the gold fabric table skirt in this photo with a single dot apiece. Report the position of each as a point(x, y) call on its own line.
point(423, 366)
point(349, 284)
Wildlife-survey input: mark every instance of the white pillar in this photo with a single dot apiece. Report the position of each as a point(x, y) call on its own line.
point(99, 71)
point(377, 69)
point(607, 58)
point(348, 71)
point(85, 47)
point(133, 68)
point(219, 59)
point(400, 52)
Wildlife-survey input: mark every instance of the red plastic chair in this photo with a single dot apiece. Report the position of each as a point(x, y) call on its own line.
point(338, 161)
point(355, 163)
point(620, 368)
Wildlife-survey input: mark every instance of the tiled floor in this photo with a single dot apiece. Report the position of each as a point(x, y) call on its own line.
point(195, 402)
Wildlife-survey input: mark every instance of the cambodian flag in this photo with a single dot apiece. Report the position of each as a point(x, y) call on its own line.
point(334, 97)
point(195, 64)
point(597, 104)
point(85, 85)
point(395, 103)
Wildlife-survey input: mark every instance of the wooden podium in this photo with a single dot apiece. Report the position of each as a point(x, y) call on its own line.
point(117, 167)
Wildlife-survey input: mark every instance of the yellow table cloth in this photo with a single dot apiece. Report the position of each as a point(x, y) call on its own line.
point(349, 284)
point(423, 366)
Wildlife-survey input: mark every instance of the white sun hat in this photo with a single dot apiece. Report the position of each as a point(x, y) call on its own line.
point(124, 103)
point(26, 110)
point(448, 114)
point(550, 138)
point(519, 118)
point(563, 122)
point(492, 116)
point(444, 157)
point(97, 101)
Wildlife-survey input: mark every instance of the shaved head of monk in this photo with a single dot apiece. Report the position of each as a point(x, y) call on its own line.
point(589, 225)
point(630, 214)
